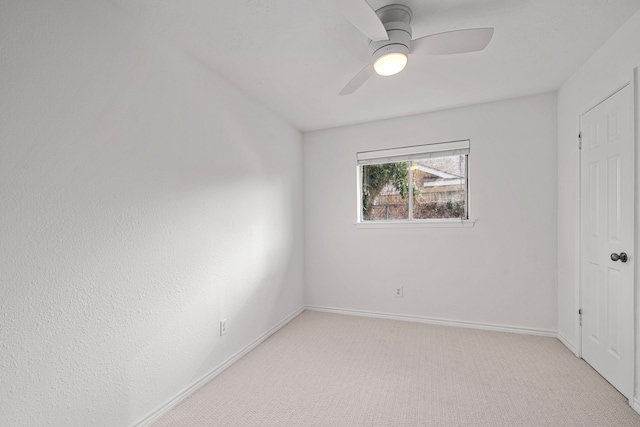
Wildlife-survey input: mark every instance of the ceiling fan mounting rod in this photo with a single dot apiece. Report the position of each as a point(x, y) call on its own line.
point(394, 13)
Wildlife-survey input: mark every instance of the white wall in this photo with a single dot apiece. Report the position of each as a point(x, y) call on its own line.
point(142, 199)
point(605, 71)
point(502, 271)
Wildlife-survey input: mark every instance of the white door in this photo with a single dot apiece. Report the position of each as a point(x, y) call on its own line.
point(607, 237)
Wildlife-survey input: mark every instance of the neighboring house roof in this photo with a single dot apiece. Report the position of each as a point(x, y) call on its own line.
point(444, 167)
point(435, 172)
point(445, 171)
point(441, 171)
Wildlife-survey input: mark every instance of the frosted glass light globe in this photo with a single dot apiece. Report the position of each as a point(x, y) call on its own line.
point(390, 64)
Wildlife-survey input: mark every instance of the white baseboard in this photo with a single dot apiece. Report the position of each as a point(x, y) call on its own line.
point(635, 405)
point(166, 407)
point(435, 321)
point(568, 344)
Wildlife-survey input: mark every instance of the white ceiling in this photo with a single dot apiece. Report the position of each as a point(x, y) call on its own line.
point(294, 56)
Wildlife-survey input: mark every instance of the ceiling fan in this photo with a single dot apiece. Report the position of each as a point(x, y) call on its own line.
point(390, 43)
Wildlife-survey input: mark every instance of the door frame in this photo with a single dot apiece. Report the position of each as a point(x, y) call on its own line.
point(629, 80)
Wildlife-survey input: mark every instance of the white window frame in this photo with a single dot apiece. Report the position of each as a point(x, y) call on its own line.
point(406, 154)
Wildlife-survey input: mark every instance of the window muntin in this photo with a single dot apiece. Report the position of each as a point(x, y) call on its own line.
point(419, 183)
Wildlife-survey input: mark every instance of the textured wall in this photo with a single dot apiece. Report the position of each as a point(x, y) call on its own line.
point(502, 271)
point(142, 199)
point(611, 66)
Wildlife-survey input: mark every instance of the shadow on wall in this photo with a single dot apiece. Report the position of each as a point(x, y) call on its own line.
point(143, 204)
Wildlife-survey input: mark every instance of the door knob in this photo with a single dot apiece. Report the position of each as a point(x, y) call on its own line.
point(622, 257)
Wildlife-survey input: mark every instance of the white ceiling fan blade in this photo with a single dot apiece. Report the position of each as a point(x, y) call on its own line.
point(459, 41)
point(360, 14)
point(358, 80)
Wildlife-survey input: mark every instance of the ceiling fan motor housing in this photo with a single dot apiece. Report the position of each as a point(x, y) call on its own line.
point(397, 21)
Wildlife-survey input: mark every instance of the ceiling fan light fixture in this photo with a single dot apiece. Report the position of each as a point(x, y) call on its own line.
point(390, 64)
point(389, 54)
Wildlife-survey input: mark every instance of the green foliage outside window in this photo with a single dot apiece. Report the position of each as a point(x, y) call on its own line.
point(375, 177)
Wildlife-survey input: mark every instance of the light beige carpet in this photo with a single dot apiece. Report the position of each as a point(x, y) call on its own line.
point(333, 370)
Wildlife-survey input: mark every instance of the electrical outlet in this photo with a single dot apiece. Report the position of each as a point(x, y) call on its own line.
point(399, 292)
point(223, 327)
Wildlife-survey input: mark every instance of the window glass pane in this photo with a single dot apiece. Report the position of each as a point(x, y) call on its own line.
point(441, 187)
point(385, 191)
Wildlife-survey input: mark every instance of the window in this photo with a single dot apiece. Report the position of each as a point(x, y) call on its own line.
point(419, 184)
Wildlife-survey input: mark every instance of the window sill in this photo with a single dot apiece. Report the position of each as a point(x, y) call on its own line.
point(418, 223)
